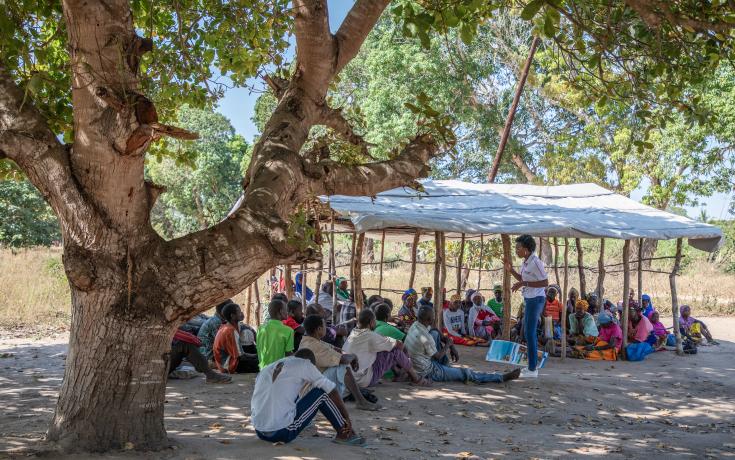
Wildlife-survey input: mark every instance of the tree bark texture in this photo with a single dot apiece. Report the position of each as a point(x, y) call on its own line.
point(131, 289)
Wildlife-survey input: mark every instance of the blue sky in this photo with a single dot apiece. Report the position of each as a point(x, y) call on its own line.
point(238, 105)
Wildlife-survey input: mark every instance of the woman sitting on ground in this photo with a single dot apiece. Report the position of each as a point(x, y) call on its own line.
point(692, 327)
point(455, 326)
point(407, 313)
point(606, 346)
point(647, 306)
point(658, 336)
point(582, 327)
point(482, 321)
point(572, 300)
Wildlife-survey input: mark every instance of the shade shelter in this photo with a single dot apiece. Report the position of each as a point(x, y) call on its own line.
point(461, 210)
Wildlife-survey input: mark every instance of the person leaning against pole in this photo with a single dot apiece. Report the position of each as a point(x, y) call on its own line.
point(532, 279)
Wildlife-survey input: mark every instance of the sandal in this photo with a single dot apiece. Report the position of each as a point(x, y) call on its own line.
point(353, 440)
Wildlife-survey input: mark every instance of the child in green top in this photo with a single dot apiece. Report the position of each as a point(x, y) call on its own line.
point(275, 340)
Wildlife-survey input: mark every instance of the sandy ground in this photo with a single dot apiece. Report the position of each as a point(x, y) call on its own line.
point(665, 407)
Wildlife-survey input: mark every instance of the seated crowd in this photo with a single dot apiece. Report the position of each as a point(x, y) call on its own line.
point(342, 354)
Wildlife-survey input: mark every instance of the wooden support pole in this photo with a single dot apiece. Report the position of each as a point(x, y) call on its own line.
point(439, 295)
point(580, 264)
point(565, 315)
point(414, 248)
point(288, 279)
point(437, 267)
point(249, 301)
point(675, 298)
point(319, 270)
point(626, 289)
point(479, 267)
point(506, 287)
point(333, 270)
point(352, 262)
point(512, 112)
point(556, 263)
point(271, 276)
point(357, 272)
point(601, 272)
point(256, 292)
point(460, 261)
point(640, 271)
point(382, 256)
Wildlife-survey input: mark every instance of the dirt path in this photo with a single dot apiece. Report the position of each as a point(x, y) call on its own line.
point(665, 406)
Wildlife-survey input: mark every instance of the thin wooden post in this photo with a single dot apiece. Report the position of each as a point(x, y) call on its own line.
point(506, 287)
point(271, 275)
point(460, 261)
point(303, 286)
point(439, 295)
point(357, 272)
point(382, 255)
point(249, 301)
point(580, 264)
point(640, 271)
point(601, 272)
point(333, 270)
point(675, 298)
point(414, 248)
point(352, 262)
point(319, 270)
point(512, 112)
point(289, 282)
point(256, 291)
point(479, 267)
point(565, 315)
point(556, 261)
point(626, 289)
point(437, 266)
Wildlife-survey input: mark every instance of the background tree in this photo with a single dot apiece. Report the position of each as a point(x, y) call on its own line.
point(26, 219)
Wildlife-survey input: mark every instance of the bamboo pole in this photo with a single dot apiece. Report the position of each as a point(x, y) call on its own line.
point(357, 273)
point(506, 287)
point(437, 268)
point(640, 271)
point(439, 295)
point(460, 261)
point(256, 291)
point(675, 298)
point(580, 263)
point(479, 267)
point(382, 255)
point(249, 300)
point(289, 282)
point(565, 314)
point(512, 112)
point(601, 272)
point(626, 289)
point(414, 248)
point(556, 261)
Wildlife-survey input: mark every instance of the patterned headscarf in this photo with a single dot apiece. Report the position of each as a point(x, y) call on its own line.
point(408, 293)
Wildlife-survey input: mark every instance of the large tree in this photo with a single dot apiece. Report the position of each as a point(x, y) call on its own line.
point(81, 94)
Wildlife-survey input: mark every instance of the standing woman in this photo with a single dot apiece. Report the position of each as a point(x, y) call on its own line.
point(532, 279)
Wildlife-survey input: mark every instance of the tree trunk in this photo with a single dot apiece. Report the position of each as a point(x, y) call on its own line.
point(115, 377)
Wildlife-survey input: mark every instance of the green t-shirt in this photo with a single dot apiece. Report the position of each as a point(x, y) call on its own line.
point(274, 340)
point(496, 307)
point(388, 330)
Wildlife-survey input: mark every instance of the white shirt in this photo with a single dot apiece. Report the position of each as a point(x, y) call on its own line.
point(454, 322)
point(366, 344)
point(273, 405)
point(532, 269)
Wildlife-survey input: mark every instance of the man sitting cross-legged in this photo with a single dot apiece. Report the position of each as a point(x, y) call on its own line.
point(279, 414)
point(334, 364)
point(377, 354)
point(427, 359)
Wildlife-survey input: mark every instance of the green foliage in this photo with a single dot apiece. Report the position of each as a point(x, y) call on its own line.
point(202, 178)
point(26, 218)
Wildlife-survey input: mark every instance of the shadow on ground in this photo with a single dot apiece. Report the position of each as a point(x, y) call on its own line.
point(666, 406)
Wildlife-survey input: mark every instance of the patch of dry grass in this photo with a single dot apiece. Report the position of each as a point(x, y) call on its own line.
point(34, 291)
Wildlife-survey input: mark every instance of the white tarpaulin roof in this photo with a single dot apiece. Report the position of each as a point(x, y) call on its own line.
point(576, 211)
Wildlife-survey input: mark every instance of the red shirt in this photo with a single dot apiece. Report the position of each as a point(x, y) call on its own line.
point(226, 348)
point(290, 322)
point(553, 309)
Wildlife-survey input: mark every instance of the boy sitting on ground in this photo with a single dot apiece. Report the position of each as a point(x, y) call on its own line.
point(377, 354)
point(294, 320)
point(382, 316)
point(209, 329)
point(335, 365)
point(427, 360)
point(279, 414)
point(229, 355)
point(275, 339)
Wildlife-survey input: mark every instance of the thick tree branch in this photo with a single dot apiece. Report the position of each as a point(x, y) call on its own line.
point(315, 47)
point(655, 13)
point(524, 168)
point(355, 28)
point(334, 118)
